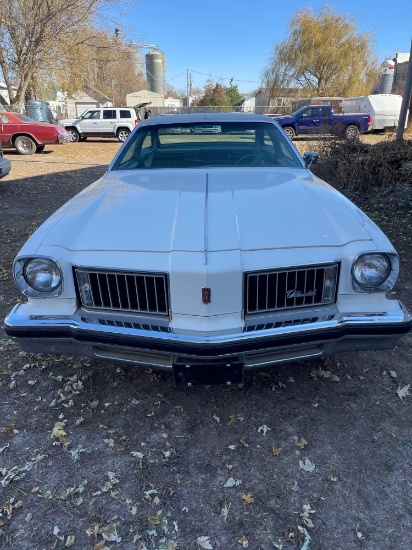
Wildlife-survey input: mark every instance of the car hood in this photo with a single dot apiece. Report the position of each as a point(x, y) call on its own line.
point(68, 121)
point(197, 210)
point(282, 119)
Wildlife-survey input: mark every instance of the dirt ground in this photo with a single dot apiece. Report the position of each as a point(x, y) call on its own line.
point(97, 455)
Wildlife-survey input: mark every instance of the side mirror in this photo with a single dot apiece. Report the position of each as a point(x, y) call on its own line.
point(310, 158)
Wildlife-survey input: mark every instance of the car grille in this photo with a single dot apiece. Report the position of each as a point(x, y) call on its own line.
point(123, 291)
point(290, 288)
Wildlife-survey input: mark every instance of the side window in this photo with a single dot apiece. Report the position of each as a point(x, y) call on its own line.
point(109, 114)
point(325, 112)
point(124, 113)
point(92, 115)
point(3, 118)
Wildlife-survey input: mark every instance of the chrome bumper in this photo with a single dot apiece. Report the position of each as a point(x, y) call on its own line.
point(158, 347)
point(5, 166)
point(64, 138)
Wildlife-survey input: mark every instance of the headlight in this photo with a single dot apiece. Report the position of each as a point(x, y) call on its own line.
point(375, 271)
point(38, 276)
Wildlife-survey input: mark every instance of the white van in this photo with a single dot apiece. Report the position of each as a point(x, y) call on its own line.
point(383, 108)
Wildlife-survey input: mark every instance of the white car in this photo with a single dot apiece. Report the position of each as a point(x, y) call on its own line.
point(102, 122)
point(205, 255)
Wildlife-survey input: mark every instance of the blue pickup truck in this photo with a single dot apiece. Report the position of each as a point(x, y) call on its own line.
point(320, 119)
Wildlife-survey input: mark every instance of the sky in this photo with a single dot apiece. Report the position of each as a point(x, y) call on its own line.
point(224, 39)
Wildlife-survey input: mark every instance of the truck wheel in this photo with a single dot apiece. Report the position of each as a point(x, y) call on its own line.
point(289, 131)
point(351, 132)
point(122, 134)
point(25, 145)
point(74, 134)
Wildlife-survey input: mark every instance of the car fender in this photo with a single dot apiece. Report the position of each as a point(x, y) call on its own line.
point(27, 134)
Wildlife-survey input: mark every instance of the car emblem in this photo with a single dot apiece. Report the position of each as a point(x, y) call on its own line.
point(206, 295)
point(299, 294)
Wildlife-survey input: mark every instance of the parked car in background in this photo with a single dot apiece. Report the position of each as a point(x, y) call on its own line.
point(28, 136)
point(321, 119)
point(5, 164)
point(206, 254)
point(102, 122)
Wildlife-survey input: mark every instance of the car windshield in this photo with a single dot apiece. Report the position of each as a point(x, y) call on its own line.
point(197, 145)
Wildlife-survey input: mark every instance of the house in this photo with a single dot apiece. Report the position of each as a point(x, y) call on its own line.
point(145, 97)
point(88, 98)
point(265, 101)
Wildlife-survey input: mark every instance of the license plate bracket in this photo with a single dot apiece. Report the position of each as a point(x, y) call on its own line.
point(208, 374)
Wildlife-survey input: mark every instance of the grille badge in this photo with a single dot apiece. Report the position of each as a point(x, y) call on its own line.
point(206, 295)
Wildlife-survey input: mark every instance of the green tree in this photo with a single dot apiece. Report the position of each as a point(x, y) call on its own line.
point(233, 93)
point(324, 54)
point(218, 95)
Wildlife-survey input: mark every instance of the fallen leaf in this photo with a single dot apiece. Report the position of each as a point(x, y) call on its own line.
point(59, 433)
point(276, 450)
point(307, 465)
point(263, 429)
point(154, 519)
point(231, 482)
point(204, 542)
point(232, 420)
point(248, 497)
point(301, 444)
point(244, 542)
point(403, 392)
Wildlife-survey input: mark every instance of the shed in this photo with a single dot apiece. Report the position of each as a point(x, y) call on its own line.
point(88, 98)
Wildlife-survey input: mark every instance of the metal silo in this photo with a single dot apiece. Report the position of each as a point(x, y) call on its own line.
point(156, 71)
point(137, 61)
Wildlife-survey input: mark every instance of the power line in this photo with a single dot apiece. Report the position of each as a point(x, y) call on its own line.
point(225, 78)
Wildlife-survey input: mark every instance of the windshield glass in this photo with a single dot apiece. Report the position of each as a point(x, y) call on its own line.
point(200, 145)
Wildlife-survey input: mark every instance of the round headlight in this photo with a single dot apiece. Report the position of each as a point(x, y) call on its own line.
point(42, 274)
point(371, 270)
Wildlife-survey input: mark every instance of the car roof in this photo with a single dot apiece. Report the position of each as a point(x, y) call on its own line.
point(201, 118)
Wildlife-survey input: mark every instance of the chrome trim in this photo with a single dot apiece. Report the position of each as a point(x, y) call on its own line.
point(206, 244)
point(294, 296)
point(77, 322)
point(253, 349)
point(23, 285)
point(128, 291)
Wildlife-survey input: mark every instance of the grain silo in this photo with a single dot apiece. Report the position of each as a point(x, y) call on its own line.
point(137, 61)
point(156, 71)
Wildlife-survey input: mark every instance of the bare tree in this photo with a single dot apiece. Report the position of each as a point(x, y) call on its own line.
point(324, 53)
point(33, 36)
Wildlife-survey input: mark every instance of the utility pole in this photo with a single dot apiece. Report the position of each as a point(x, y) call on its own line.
point(188, 86)
point(406, 99)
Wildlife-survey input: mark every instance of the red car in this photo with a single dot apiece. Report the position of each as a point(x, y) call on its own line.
point(28, 136)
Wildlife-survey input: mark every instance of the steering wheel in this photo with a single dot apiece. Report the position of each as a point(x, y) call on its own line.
point(258, 159)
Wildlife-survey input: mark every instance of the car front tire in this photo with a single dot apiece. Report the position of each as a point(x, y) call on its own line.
point(122, 134)
point(74, 134)
point(289, 131)
point(25, 145)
